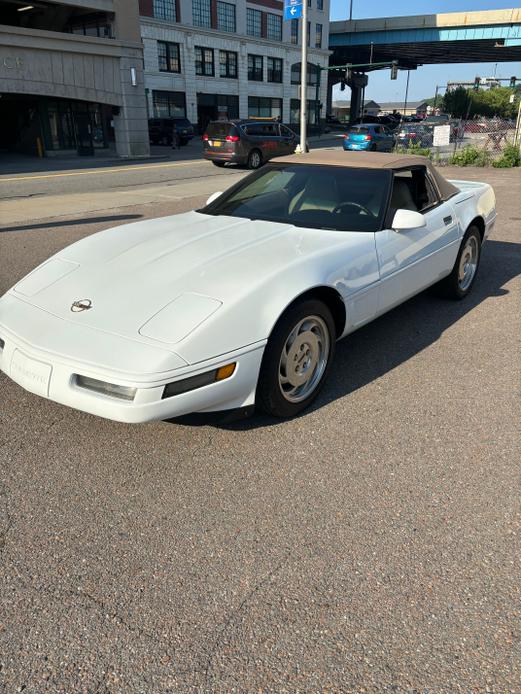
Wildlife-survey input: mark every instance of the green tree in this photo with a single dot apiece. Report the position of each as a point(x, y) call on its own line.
point(462, 103)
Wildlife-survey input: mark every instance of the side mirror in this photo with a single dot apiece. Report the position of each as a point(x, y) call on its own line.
point(404, 220)
point(213, 197)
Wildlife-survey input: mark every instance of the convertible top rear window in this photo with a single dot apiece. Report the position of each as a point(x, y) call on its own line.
point(309, 195)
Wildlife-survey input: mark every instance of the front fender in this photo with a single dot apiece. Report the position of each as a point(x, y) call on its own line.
point(350, 269)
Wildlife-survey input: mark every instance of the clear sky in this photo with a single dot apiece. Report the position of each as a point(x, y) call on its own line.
point(423, 81)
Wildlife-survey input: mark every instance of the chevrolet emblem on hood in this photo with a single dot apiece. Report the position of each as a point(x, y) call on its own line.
point(81, 305)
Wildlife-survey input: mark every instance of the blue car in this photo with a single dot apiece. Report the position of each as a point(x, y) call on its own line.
point(370, 137)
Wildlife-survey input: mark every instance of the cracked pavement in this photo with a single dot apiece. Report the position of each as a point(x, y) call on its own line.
point(371, 545)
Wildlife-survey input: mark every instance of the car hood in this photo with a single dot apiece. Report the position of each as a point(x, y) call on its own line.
point(160, 279)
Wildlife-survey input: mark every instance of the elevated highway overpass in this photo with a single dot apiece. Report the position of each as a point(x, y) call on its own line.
point(490, 36)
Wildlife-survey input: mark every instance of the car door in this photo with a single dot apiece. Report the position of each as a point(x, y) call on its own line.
point(376, 132)
point(389, 138)
point(411, 260)
point(288, 140)
point(272, 141)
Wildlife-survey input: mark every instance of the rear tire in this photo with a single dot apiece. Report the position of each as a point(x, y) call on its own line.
point(297, 359)
point(254, 159)
point(461, 280)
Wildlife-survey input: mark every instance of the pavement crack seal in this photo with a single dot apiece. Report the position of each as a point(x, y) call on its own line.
point(243, 605)
point(6, 519)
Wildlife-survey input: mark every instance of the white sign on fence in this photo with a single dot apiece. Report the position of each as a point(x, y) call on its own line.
point(441, 136)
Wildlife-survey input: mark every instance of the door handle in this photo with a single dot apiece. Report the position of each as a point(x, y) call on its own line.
point(447, 220)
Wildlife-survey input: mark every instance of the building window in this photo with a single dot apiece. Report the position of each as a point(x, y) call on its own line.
point(225, 16)
point(318, 36)
point(165, 9)
point(294, 31)
point(309, 3)
point(168, 54)
point(274, 69)
point(168, 104)
point(204, 61)
point(274, 27)
point(201, 13)
point(264, 107)
point(228, 64)
point(91, 26)
point(294, 111)
point(320, 4)
point(312, 75)
point(255, 68)
point(309, 33)
point(253, 22)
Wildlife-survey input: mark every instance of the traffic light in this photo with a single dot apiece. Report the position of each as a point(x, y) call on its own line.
point(477, 82)
point(394, 70)
point(512, 82)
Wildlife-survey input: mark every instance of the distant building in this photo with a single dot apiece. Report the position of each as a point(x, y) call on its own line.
point(206, 59)
point(372, 108)
point(341, 109)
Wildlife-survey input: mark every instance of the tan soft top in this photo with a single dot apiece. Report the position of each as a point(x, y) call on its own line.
point(371, 160)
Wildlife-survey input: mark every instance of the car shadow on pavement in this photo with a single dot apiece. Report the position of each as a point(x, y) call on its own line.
point(399, 335)
point(72, 222)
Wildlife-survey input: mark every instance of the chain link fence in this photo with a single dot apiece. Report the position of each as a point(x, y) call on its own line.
point(472, 142)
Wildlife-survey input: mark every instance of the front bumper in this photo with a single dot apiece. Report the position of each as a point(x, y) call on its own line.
point(54, 377)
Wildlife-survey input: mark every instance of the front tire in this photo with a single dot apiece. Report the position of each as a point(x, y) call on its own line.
point(218, 163)
point(297, 359)
point(460, 281)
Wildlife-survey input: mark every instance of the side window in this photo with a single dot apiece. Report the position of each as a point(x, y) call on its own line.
point(269, 130)
point(402, 197)
point(413, 190)
point(285, 132)
point(432, 192)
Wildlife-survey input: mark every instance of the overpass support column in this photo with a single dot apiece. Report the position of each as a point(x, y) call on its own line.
point(357, 82)
point(332, 79)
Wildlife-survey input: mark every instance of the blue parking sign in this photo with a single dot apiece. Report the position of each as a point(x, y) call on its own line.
point(292, 9)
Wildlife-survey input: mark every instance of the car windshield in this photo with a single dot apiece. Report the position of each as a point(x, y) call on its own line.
point(313, 196)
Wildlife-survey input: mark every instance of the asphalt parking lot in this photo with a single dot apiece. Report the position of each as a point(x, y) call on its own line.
point(371, 545)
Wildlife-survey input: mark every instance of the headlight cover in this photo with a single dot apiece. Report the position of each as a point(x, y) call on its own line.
point(44, 275)
point(179, 318)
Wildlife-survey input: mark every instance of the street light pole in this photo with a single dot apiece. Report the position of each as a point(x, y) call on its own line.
point(350, 10)
point(406, 93)
point(304, 79)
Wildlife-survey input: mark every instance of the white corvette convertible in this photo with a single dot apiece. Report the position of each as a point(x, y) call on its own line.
point(240, 304)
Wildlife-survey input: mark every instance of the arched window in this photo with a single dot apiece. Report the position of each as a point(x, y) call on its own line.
point(312, 76)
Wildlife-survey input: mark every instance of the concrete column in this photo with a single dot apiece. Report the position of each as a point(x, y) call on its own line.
point(190, 79)
point(358, 82)
point(131, 125)
point(243, 80)
point(332, 79)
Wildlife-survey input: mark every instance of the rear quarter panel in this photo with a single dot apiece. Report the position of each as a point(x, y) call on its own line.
point(475, 200)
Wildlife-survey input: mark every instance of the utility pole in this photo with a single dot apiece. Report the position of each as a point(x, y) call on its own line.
point(406, 92)
point(304, 79)
point(350, 10)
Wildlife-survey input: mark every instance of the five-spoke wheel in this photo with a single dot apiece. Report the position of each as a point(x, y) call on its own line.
point(297, 359)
